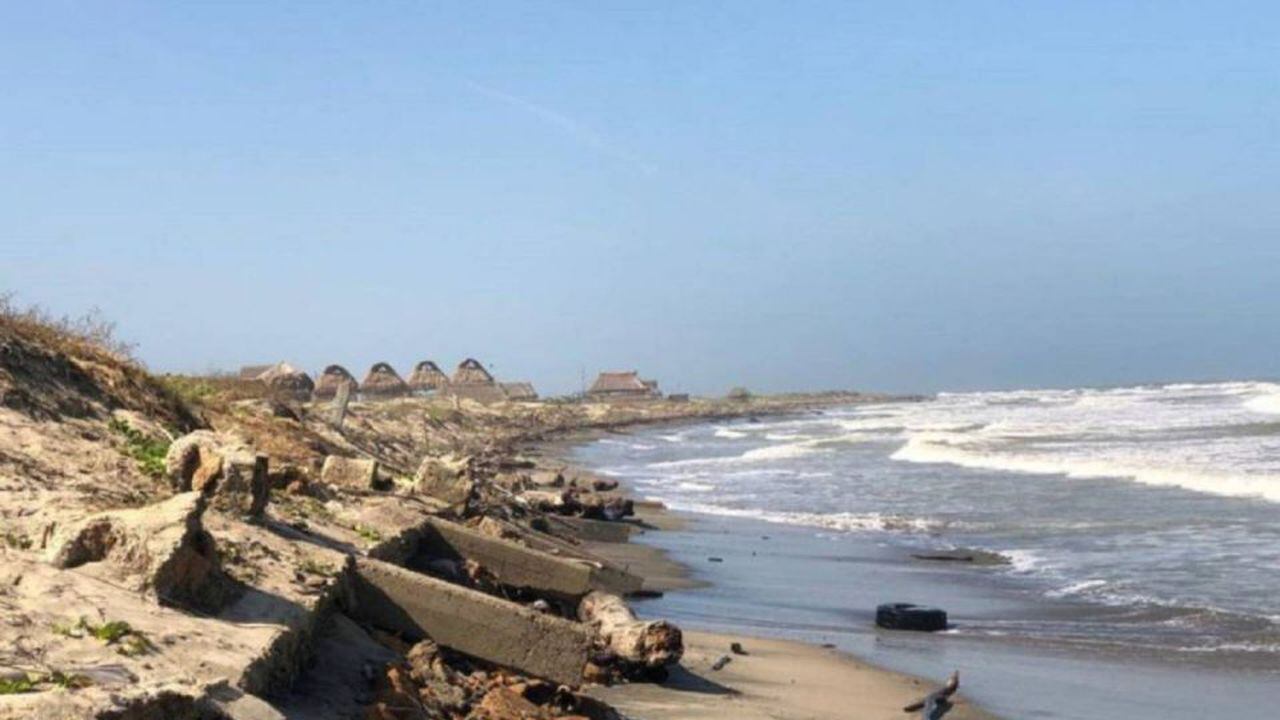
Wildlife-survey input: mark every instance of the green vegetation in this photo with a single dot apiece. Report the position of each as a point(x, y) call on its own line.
point(147, 451)
point(311, 566)
point(368, 533)
point(67, 682)
point(17, 685)
point(16, 541)
point(191, 390)
point(29, 683)
point(128, 642)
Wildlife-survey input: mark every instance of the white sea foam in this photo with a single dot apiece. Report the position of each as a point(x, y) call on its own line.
point(729, 434)
point(845, 522)
point(1267, 404)
point(936, 448)
point(1078, 588)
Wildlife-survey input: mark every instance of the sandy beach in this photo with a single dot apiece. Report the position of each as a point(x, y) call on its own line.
point(776, 679)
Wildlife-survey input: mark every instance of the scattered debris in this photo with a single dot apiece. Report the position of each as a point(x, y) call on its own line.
point(936, 704)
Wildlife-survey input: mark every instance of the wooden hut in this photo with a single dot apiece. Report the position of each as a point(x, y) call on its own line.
point(285, 379)
point(383, 381)
point(333, 377)
point(471, 372)
point(519, 391)
point(625, 385)
point(426, 377)
point(470, 380)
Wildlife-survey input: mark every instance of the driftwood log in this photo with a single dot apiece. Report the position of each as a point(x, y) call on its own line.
point(646, 644)
point(936, 704)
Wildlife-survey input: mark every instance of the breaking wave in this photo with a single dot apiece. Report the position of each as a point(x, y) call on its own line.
point(844, 522)
point(932, 449)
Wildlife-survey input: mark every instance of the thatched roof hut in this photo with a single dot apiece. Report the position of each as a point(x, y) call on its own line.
point(621, 385)
point(519, 391)
point(333, 377)
point(383, 381)
point(427, 376)
point(285, 379)
point(471, 372)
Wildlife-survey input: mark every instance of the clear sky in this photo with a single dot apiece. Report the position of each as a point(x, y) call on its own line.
point(790, 195)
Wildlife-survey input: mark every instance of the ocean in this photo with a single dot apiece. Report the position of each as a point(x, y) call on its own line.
point(1141, 529)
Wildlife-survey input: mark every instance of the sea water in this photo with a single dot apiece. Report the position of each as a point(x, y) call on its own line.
point(1141, 525)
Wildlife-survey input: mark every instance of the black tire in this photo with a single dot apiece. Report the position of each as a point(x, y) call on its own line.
point(905, 616)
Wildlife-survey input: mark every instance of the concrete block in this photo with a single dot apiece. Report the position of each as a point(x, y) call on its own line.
point(470, 622)
point(355, 473)
point(516, 565)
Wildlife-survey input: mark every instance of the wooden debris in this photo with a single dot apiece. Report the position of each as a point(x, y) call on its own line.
point(638, 643)
point(936, 704)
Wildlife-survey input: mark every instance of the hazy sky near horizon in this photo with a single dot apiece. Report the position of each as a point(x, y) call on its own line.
point(898, 196)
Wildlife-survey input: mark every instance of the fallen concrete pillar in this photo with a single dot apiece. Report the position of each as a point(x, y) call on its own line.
point(593, 530)
point(518, 566)
point(470, 622)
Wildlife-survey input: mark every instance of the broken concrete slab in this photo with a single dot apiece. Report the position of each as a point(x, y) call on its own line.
point(470, 622)
point(161, 549)
point(446, 478)
point(519, 566)
point(223, 467)
point(592, 530)
point(352, 473)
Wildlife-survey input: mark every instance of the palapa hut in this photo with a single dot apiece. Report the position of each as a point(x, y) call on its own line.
point(427, 376)
point(471, 372)
point(472, 381)
point(333, 377)
point(519, 391)
point(285, 379)
point(383, 382)
point(622, 386)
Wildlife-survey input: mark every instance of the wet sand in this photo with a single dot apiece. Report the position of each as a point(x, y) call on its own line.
point(777, 679)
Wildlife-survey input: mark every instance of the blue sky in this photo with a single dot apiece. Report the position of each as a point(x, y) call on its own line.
point(897, 196)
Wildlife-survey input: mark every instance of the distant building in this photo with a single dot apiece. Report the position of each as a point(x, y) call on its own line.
point(427, 377)
point(284, 379)
point(470, 380)
point(383, 382)
point(519, 391)
point(622, 386)
point(333, 377)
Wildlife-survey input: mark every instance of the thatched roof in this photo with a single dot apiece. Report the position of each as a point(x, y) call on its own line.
point(619, 383)
point(285, 378)
point(427, 375)
point(519, 391)
point(383, 380)
point(471, 372)
point(330, 380)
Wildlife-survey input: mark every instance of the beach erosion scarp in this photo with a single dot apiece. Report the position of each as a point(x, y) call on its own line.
point(195, 547)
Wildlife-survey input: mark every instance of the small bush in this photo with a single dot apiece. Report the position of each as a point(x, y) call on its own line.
point(147, 451)
point(17, 685)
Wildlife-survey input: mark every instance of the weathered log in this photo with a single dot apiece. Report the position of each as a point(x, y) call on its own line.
point(642, 643)
point(936, 704)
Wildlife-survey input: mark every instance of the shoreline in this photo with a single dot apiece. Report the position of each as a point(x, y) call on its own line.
point(849, 573)
point(778, 678)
